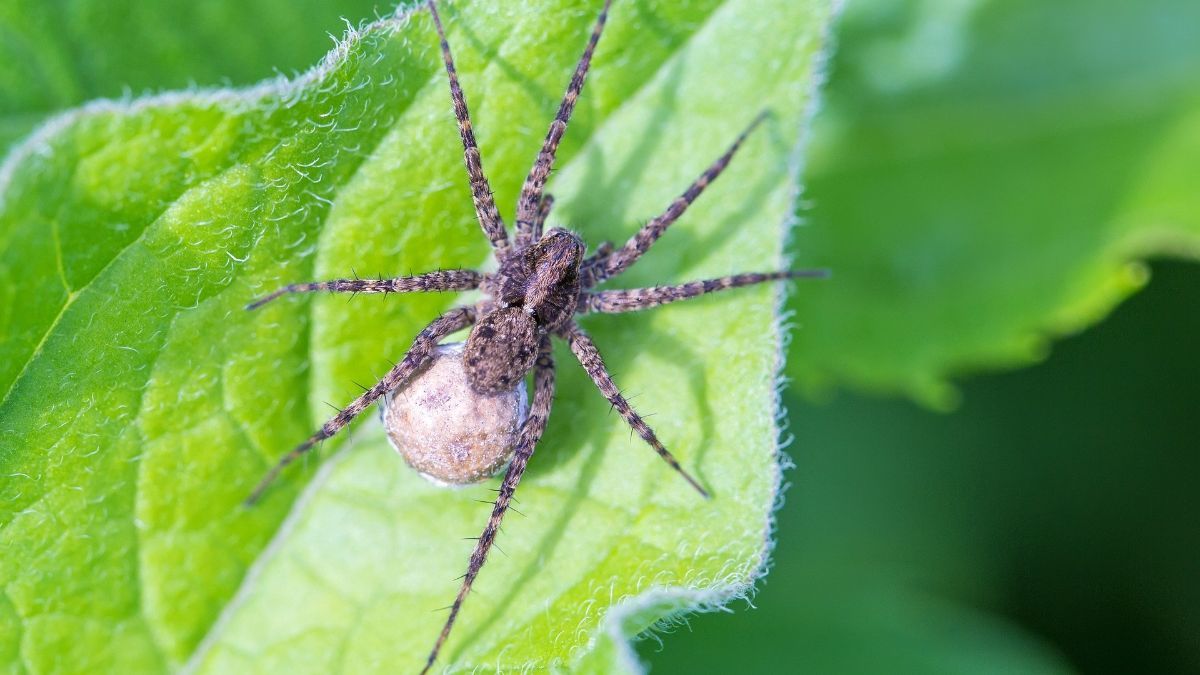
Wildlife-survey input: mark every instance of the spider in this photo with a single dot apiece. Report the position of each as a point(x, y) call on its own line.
point(544, 279)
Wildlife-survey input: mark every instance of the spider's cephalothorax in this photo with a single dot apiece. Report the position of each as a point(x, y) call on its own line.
point(543, 278)
point(543, 282)
point(535, 291)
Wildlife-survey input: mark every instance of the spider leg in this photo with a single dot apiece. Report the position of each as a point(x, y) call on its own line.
point(540, 222)
point(442, 280)
point(531, 191)
point(591, 271)
point(531, 432)
point(604, 250)
point(631, 300)
point(651, 231)
point(589, 357)
point(426, 340)
point(481, 191)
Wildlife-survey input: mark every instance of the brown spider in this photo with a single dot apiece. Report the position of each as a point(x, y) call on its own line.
point(543, 281)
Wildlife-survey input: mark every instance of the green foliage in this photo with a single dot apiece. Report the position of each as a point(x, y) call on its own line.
point(141, 403)
point(60, 53)
point(984, 177)
point(1051, 515)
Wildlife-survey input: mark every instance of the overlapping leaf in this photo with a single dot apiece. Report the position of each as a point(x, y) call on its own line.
point(985, 177)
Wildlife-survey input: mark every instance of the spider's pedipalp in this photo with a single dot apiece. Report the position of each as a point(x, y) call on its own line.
point(634, 299)
point(589, 357)
point(531, 192)
point(481, 190)
point(641, 242)
point(441, 280)
point(426, 340)
point(531, 433)
point(591, 272)
point(543, 213)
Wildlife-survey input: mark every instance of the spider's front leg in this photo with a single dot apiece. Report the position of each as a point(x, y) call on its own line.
point(589, 357)
point(531, 433)
point(426, 340)
point(441, 280)
point(481, 190)
point(530, 202)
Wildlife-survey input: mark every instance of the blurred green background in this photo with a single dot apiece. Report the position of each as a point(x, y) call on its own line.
point(1047, 519)
point(1050, 522)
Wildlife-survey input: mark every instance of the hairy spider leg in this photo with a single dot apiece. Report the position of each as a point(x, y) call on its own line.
point(529, 203)
point(540, 223)
point(589, 357)
point(481, 191)
point(591, 271)
point(651, 231)
point(441, 280)
point(426, 340)
point(531, 433)
point(634, 299)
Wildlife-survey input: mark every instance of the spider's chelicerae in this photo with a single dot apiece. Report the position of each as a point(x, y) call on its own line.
point(543, 281)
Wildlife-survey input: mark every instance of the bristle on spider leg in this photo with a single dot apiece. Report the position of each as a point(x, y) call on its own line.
point(588, 355)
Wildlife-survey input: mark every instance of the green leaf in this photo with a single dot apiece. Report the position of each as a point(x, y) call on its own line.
point(85, 49)
point(986, 176)
point(141, 403)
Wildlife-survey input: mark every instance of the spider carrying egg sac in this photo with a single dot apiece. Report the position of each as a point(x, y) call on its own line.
point(448, 432)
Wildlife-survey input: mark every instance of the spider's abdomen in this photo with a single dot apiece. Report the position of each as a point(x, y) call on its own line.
point(501, 349)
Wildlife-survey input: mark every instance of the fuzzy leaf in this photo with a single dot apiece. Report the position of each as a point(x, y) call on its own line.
point(141, 403)
point(986, 176)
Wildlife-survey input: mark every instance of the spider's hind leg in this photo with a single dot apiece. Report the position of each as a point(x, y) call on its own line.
point(426, 340)
point(531, 433)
